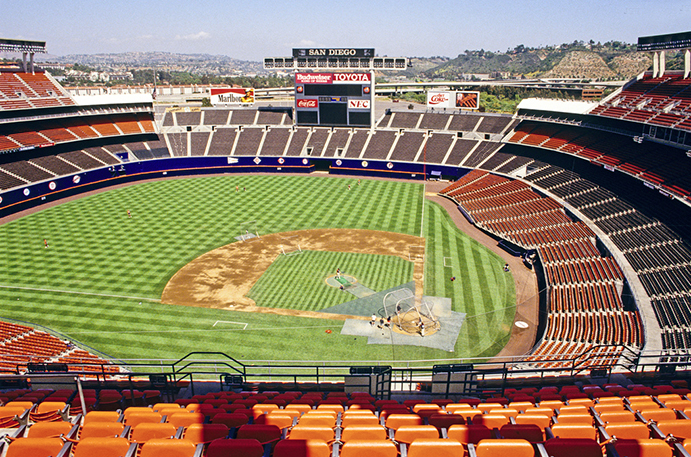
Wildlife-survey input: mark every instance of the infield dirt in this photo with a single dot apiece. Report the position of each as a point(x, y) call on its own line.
point(221, 278)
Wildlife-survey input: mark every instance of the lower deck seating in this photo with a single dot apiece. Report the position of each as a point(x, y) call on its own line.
point(585, 307)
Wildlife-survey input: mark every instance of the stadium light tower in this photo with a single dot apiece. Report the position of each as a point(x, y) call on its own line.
point(658, 44)
point(25, 47)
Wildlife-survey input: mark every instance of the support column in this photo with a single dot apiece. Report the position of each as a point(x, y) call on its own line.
point(656, 64)
point(31, 62)
point(662, 64)
point(24, 61)
point(687, 62)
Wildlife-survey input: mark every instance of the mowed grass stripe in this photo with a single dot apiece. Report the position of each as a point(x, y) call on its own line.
point(95, 248)
point(477, 290)
point(298, 281)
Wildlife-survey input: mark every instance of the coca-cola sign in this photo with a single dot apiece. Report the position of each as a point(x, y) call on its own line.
point(436, 99)
point(439, 99)
point(308, 103)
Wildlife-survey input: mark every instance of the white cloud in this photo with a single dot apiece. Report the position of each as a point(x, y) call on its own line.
point(194, 36)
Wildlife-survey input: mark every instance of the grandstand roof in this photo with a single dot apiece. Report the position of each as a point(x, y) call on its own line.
point(680, 40)
point(8, 45)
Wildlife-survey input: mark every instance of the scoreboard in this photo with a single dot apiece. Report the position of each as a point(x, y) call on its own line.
point(334, 99)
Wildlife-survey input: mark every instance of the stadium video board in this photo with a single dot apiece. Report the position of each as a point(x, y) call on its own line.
point(453, 99)
point(334, 99)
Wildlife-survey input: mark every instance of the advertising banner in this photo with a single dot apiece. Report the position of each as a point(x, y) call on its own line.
point(452, 99)
point(228, 96)
point(440, 99)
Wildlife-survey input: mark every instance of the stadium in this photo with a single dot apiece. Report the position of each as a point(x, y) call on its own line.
point(434, 281)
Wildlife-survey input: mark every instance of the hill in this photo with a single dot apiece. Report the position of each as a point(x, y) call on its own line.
point(612, 60)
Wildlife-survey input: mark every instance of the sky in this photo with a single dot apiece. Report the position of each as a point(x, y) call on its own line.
point(408, 28)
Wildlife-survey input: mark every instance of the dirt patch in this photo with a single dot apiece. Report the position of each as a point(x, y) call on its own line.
point(221, 278)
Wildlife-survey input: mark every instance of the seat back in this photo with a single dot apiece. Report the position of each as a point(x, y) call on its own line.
point(230, 420)
point(140, 417)
point(541, 421)
point(585, 419)
point(234, 448)
point(505, 447)
point(490, 420)
point(617, 417)
point(35, 447)
point(275, 418)
point(205, 433)
point(370, 448)
point(529, 432)
point(363, 432)
point(8, 414)
point(49, 429)
point(163, 447)
point(574, 431)
point(422, 447)
point(359, 419)
point(660, 414)
point(408, 433)
point(186, 419)
point(643, 448)
point(318, 420)
point(445, 420)
point(102, 447)
point(394, 421)
point(101, 416)
point(101, 430)
point(469, 433)
point(146, 431)
point(302, 448)
point(626, 431)
point(573, 447)
point(679, 428)
point(263, 433)
point(306, 432)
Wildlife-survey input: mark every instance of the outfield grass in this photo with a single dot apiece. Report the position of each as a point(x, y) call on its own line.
point(101, 265)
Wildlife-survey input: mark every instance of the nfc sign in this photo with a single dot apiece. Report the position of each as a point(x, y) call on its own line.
point(358, 104)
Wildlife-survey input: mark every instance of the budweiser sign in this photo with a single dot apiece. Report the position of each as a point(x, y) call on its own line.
point(331, 78)
point(314, 78)
point(308, 103)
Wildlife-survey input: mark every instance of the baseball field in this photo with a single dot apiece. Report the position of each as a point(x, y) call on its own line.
point(199, 266)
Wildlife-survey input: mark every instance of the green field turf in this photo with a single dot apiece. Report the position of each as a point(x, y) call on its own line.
point(298, 281)
point(100, 265)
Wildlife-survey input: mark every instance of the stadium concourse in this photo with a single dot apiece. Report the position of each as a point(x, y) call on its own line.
point(594, 198)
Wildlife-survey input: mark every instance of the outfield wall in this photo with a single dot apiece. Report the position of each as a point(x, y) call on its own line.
point(35, 194)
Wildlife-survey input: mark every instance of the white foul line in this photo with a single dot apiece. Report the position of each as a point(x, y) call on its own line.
point(245, 324)
point(2, 286)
